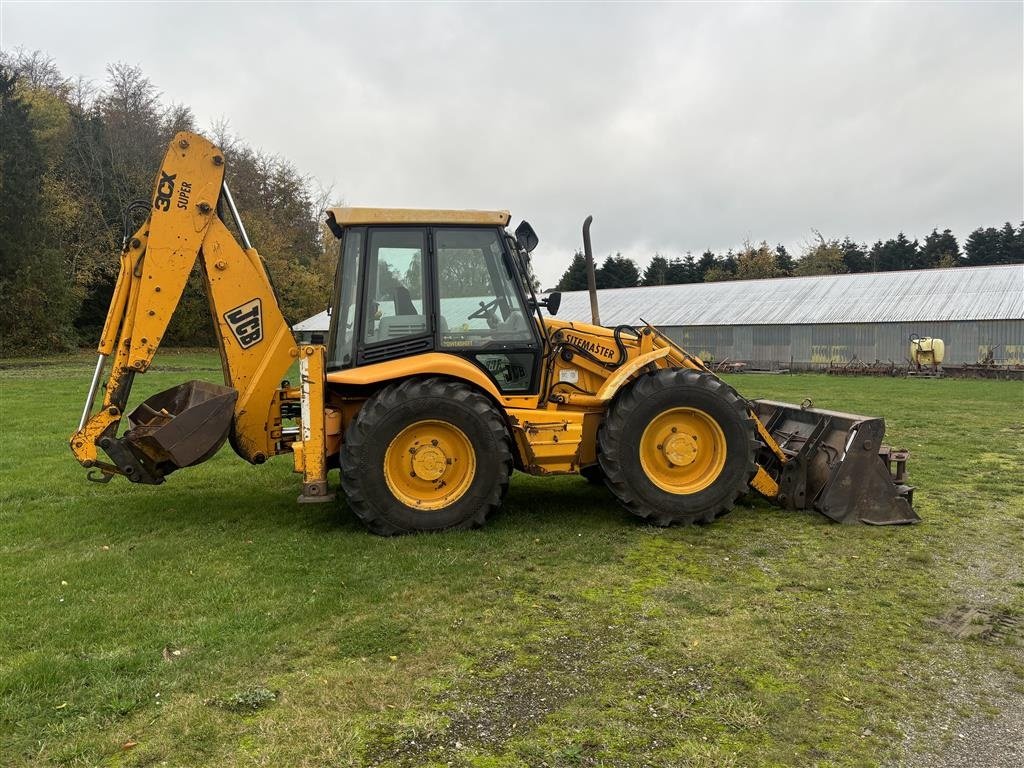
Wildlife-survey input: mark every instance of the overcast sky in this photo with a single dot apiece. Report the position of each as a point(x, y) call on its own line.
point(679, 127)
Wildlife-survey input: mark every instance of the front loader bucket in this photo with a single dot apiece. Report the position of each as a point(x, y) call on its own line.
point(838, 465)
point(181, 426)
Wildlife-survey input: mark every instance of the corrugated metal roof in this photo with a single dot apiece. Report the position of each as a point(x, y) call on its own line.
point(321, 321)
point(962, 293)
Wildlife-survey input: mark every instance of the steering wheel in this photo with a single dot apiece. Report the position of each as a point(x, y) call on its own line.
point(486, 311)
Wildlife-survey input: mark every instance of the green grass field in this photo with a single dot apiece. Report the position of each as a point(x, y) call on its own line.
point(213, 621)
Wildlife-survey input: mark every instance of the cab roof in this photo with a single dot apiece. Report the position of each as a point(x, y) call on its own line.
point(351, 217)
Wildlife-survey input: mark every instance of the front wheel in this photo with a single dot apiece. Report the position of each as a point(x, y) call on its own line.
point(425, 455)
point(678, 446)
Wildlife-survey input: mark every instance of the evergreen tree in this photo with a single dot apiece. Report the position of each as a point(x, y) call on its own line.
point(689, 269)
point(940, 250)
point(983, 246)
point(33, 285)
point(894, 254)
point(855, 257)
point(682, 270)
point(728, 263)
point(705, 264)
point(1011, 244)
point(575, 276)
point(618, 271)
point(656, 273)
point(21, 177)
point(783, 260)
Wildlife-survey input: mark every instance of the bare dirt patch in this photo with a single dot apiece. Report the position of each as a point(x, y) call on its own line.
point(991, 737)
point(485, 710)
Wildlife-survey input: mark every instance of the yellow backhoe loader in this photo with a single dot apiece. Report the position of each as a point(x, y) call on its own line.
point(441, 375)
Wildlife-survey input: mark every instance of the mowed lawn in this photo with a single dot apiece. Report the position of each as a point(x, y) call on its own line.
point(214, 621)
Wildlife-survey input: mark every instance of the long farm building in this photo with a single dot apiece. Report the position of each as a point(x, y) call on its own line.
point(814, 322)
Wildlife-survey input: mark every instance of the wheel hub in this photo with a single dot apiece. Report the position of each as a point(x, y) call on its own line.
point(680, 449)
point(429, 462)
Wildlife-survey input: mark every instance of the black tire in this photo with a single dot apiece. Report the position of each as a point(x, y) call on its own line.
point(388, 413)
point(629, 416)
point(593, 474)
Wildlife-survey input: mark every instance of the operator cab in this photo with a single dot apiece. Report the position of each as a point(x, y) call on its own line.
point(410, 282)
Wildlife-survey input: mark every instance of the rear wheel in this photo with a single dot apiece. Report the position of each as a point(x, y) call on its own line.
point(425, 455)
point(678, 447)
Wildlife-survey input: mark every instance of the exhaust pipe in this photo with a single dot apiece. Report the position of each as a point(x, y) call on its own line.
point(588, 251)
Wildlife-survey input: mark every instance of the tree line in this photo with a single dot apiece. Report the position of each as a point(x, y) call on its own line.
point(821, 256)
point(74, 155)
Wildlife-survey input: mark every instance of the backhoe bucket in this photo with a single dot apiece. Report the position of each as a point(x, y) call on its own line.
point(181, 426)
point(838, 465)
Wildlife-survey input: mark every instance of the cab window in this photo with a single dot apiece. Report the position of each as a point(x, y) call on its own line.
point(346, 290)
point(479, 305)
point(394, 308)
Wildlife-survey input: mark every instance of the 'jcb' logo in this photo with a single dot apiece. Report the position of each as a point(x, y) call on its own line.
point(246, 323)
point(164, 190)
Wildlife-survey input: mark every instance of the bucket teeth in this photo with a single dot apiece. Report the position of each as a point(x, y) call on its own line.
point(837, 464)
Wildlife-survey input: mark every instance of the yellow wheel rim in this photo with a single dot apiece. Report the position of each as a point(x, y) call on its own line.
point(682, 450)
point(429, 465)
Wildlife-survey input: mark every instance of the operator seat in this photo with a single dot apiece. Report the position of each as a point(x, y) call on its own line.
point(403, 301)
point(407, 320)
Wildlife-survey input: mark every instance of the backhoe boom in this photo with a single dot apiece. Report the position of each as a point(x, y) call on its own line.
point(187, 424)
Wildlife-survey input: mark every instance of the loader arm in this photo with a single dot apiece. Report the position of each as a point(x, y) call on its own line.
point(187, 424)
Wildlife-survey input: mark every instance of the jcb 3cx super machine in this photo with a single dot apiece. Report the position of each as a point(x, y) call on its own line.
point(441, 376)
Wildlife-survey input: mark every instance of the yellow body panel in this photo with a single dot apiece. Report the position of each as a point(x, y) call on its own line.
point(549, 441)
point(350, 217)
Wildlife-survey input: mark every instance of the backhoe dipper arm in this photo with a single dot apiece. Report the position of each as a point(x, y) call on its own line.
point(256, 345)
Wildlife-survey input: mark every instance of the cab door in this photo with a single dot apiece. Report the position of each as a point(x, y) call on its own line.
point(481, 314)
point(396, 306)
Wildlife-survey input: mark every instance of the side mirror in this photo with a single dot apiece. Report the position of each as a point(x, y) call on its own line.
point(526, 237)
point(551, 302)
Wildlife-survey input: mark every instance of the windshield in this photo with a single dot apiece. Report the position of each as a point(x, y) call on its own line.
point(480, 305)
